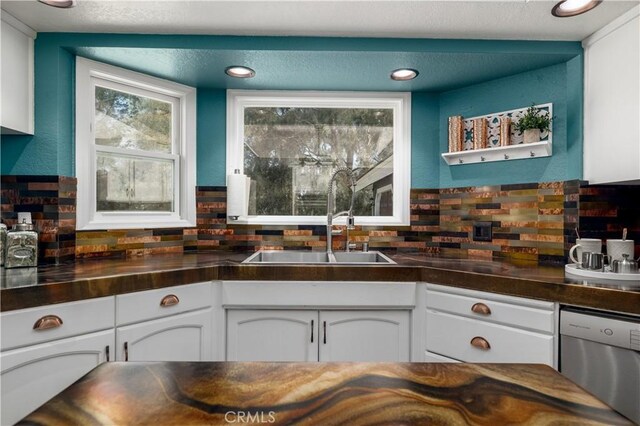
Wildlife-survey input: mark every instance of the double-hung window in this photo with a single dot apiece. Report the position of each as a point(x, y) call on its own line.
point(290, 144)
point(135, 149)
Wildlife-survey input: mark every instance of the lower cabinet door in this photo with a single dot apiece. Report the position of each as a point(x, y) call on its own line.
point(431, 357)
point(272, 335)
point(365, 336)
point(32, 375)
point(184, 337)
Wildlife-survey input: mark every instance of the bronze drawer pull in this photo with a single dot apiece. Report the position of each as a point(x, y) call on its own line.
point(481, 308)
point(480, 343)
point(169, 300)
point(48, 321)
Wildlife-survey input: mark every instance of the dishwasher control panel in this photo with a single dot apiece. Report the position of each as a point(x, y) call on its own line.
point(624, 333)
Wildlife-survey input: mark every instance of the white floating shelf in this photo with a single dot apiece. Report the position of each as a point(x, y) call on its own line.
point(501, 153)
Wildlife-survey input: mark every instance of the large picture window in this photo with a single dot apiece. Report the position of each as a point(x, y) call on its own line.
point(290, 144)
point(135, 149)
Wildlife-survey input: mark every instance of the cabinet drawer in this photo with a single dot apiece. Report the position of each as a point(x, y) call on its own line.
point(451, 336)
point(19, 328)
point(506, 311)
point(146, 305)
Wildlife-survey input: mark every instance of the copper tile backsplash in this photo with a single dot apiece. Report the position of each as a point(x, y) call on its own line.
point(530, 222)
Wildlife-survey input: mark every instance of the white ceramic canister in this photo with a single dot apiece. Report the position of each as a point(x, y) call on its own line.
point(616, 248)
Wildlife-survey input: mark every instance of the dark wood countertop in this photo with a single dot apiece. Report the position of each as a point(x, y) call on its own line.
point(30, 287)
point(180, 393)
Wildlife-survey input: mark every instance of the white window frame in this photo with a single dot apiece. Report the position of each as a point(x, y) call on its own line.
point(400, 102)
point(90, 74)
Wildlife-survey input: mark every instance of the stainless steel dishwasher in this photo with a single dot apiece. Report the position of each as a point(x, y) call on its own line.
point(601, 352)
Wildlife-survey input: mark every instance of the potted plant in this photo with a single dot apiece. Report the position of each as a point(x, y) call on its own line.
point(534, 121)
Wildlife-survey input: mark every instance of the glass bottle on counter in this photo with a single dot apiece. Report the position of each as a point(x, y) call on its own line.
point(22, 246)
point(3, 242)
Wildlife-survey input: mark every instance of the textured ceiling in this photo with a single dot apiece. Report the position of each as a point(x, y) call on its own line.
point(480, 19)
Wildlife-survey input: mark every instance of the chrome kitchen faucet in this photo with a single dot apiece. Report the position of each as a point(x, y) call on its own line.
point(348, 213)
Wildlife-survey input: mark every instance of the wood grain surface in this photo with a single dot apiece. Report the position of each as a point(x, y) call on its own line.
point(226, 393)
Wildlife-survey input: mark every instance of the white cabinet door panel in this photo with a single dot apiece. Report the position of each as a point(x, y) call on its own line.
point(431, 357)
point(16, 76)
point(159, 303)
point(31, 376)
point(451, 336)
point(507, 313)
point(365, 336)
point(272, 335)
point(76, 318)
point(184, 337)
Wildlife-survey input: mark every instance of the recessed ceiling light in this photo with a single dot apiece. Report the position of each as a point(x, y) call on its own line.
point(63, 4)
point(239, 71)
point(403, 74)
point(568, 8)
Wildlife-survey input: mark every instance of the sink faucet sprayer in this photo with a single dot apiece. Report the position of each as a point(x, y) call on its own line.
point(348, 213)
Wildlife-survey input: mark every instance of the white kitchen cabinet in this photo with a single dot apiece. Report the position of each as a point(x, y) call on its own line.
point(184, 337)
point(167, 324)
point(17, 76)
point(272, 335)
point(612, 101)
point(474, 326)
point(375, 336)
point(45, 349)
point(311, 335)
point(32, 375)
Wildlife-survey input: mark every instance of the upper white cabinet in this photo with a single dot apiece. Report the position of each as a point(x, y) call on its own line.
point(17, 76)
point(612, 102)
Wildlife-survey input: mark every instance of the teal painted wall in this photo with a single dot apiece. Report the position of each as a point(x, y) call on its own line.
point(51, 150)
point(211, 137)
point(424, 140)
point(558, 84)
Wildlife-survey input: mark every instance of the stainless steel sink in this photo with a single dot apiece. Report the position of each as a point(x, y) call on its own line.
point(312, 257)
point(287, 256)
point(357, 257)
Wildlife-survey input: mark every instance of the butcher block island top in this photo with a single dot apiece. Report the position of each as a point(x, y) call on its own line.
point(196, 393)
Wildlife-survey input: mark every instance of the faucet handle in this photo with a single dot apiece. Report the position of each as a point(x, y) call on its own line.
point(351, 222)
point(365, 247)
point(336, 232)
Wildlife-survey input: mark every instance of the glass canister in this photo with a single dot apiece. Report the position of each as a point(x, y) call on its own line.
point(3, 242)
point(22, 246)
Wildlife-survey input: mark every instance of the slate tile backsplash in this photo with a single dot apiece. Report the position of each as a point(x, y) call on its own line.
point(52, 203)
point(530, 222)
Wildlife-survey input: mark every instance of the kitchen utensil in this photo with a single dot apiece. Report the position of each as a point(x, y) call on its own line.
point(593, 261)
point(617, 248)
point(624, 266)
point(593, 245)
point(624, 234)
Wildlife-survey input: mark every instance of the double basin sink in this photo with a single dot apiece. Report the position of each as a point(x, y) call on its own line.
point(313, 257)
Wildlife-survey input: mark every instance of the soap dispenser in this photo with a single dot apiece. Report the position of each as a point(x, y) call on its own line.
point(22, 246)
